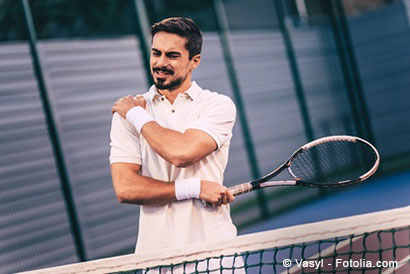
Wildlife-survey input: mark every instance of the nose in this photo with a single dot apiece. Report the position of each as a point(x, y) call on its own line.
point(162, 61)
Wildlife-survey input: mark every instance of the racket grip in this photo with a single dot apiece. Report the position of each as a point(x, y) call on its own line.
point(240, 189)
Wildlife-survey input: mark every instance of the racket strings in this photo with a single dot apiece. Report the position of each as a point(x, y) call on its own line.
point(333, 162)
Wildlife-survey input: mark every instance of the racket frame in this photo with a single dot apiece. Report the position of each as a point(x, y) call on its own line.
point(263, 182)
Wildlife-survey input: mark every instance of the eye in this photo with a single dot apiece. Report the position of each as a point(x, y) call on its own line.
point(156, 53)
point(173, 55)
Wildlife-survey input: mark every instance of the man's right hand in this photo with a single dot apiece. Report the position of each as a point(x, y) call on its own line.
point(124, 104)
point(215, 194)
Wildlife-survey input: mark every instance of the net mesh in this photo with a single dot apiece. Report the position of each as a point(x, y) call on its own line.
point(334, 161)
point(370, 243)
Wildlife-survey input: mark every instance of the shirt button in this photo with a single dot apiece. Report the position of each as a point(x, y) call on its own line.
point(162, 99)
point(173, 110)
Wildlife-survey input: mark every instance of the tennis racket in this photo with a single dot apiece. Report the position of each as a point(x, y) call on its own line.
point(331, 161)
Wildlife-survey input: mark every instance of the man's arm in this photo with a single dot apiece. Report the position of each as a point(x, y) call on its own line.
point(180, 149)
point(130, 187)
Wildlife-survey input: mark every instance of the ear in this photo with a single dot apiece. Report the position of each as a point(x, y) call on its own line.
point(195, 61)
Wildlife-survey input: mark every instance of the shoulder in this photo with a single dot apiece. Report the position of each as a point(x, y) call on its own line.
point(214, 98)
point(117, 120)
point(147, 95)
point(219, 106)
point(120, 124)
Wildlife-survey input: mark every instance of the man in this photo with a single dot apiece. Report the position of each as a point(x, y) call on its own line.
point(169, 147)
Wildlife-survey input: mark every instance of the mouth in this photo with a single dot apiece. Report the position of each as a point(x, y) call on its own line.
point(162, 72)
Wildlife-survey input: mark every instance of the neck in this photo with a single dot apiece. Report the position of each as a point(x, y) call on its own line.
point(171, 94)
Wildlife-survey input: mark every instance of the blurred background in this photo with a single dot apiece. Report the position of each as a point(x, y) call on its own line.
point(297, 70)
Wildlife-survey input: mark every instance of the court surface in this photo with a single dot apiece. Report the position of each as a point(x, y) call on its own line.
point(381, 193)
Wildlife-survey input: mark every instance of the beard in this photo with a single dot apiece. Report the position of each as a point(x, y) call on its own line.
point(173, 83)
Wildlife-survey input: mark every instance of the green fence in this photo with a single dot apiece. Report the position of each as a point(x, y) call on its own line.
point(297, 70)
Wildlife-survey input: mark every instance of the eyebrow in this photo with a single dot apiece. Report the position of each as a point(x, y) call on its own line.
point(167, 53)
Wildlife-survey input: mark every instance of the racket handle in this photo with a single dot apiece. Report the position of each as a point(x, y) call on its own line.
point(240, 189)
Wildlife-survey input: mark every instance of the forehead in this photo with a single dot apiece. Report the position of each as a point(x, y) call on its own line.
point(165, 41)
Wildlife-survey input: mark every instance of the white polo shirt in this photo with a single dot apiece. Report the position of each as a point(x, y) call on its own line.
point(183, 222)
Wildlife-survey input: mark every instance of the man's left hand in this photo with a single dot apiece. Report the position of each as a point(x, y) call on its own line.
point(124, 104)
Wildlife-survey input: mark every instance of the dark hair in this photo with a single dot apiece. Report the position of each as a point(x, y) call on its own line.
point(184, 27)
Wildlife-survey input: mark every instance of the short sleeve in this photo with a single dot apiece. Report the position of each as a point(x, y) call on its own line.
point(125, 144)
point(216, 118)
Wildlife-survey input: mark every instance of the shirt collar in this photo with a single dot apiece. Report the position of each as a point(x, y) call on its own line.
point(153, 92)
point(192, 92)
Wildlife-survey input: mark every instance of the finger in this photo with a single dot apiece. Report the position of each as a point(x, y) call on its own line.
point(222, 199)
point(225, 200)
point(219, 202)
point(229, 196)
point(140, 100)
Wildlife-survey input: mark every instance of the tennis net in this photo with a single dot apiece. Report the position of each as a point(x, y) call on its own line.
point(369, 243)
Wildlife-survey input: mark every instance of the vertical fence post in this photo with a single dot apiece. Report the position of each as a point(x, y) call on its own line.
point(354, 86)
point(54, 136)
point(407, 7)
point(297, 80)
point(143, 33)
point(290, 53)
point(223, 29)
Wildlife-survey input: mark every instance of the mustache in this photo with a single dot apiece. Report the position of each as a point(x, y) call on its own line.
point(165, 70)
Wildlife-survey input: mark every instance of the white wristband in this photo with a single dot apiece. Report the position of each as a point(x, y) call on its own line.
point(187, 188)
point(138, 117)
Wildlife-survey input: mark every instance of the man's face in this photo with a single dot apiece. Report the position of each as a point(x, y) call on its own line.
point(170, 64)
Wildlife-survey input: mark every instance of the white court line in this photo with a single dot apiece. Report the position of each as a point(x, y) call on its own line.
point(400, 264)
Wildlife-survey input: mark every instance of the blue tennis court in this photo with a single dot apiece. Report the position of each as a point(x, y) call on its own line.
point(380, 193)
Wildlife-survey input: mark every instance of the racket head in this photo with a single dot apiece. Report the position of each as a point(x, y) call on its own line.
point(334, 161)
